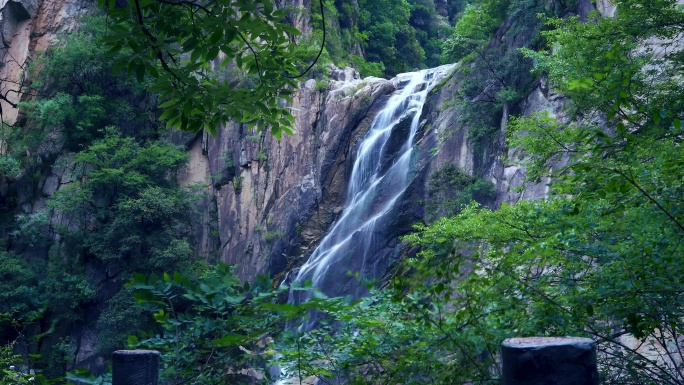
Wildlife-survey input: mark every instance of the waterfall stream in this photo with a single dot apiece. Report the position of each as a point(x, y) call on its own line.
point(380, 175)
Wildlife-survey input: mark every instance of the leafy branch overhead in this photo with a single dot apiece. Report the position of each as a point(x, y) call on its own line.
point(210, 61)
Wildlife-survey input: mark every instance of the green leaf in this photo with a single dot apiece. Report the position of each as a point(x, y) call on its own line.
point(228, 340)
point(169, 103)
point(140, 72)
point(290, 29)
point(114, 50)
point(212, 53)
point(196, 53)
point(132, 340)
point(131, 68)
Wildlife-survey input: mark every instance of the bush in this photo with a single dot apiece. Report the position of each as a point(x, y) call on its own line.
point(79, 93)
point(122, 317)
point(33, 229)
point(367, 68)
point(450, 189)
point(472, 31)
point(10, 167)
point(20, 297)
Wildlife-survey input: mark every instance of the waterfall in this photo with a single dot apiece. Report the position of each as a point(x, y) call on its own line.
point(380, 175)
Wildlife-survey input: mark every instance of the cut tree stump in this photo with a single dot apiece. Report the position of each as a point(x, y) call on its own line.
point(549, 361)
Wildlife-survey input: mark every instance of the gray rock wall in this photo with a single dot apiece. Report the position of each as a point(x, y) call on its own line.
point(276, 199)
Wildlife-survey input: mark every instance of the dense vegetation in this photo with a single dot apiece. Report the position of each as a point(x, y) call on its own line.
point(120, 212)
point(600, 257)
point(386, 37)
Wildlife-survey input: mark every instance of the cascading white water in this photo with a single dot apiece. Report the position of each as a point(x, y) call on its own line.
point(380, 176)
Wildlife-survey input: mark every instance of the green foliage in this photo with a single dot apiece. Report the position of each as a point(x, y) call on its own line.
point(10, 167)
point(544, 138)
point(622, 78)
point(376, 340)
point(425, 20)
point(493, 75)
point(142, 230)
point(271, 236)
point(213, 329)
point(20, 297)
point(449, 189)
point(76, 116)
point(261, 156)
point(481, 18)
point(126, 214)
point(66, 291)
point(175, 45)
point(10, 372)
point(601, 256)
point(472, 31)
point(34, 229)
point(237, 184)
point(120, 166)
point(391, 39)
point(79, 93)
point(322, 85)
point(308, 48)
point(86, 377)
point(122, 317)
point(455, 9)
point(121, 212)
point(394, 35)
point(334, 51)
point(37, 292)
point(366, 68)
point(227, 157)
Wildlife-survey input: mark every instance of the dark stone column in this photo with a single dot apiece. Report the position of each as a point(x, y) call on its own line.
point(135, 367)
point(549, 361)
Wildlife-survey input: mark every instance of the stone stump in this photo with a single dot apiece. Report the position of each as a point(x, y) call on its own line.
point(135, 367)
point(549, 361)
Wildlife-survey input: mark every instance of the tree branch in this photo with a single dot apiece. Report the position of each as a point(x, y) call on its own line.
point(650, 198)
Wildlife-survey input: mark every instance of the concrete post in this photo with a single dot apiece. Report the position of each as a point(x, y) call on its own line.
point(135, 367)
point(549, 361)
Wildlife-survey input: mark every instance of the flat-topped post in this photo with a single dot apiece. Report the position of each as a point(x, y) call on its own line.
point(549, 361)
point(135, 367)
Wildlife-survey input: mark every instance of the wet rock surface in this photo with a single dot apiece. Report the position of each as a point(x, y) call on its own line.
point(275, 199)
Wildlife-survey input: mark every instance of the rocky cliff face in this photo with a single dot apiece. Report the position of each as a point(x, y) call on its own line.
point(275, 199)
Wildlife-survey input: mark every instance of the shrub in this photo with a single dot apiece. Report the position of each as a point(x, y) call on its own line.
point(450, 189)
